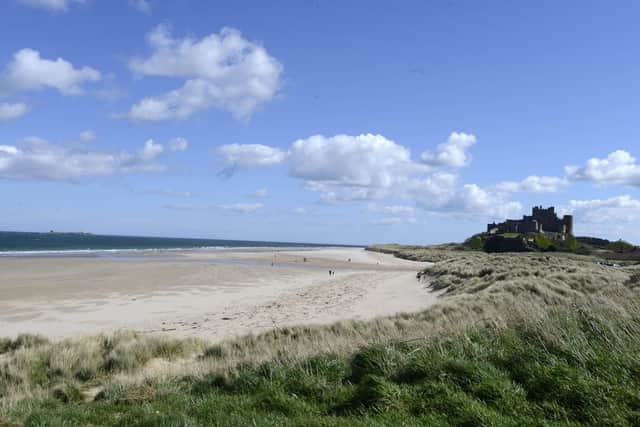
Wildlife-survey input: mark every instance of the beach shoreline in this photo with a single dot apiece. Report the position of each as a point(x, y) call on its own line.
point(213, 294)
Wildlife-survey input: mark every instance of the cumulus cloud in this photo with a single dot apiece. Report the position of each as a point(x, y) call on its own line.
point(371, 167)
point(87, 136)
point(432, 191)
point(29, 71)
point(612, 210)
point(151, 150)
point(361, 161)
point(474, 200)
point(243, 208)
point(39, 159)
point(618, 167)
point(52, 5)
point(441, 193)
point(12, 111)
point(259, 194)
point(178, 144)
point(534, 184)
point(452, 153)
point(367, 167)
point(224, 71)
point(237, 156)
point(142, 5)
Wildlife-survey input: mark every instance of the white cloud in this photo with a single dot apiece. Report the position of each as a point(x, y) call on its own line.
point(28, 71)
point(38, 159)
point(365, 168)
point(613, 210)
point(534, 184)
point(371, 167)
point(300, 211)
point(53, 5)
point(452, 153)
point(618, 167)
point(12, 111)
point(259, 194)
point(243, 208)
point(178, 144)
point(142, 5)
point(360, 161)
point(474, 200)
point(432, 191)
point(151, 150)
point(224, 71)
point(440, 193)
point(237, 156)
point(87, 136)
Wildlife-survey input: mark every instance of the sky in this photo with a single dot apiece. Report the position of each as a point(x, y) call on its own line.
point(318, 121)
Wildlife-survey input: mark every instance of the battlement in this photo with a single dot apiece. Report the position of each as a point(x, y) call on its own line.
point(541, 220)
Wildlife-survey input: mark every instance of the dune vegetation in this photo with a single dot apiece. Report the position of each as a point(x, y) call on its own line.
point(517, 339)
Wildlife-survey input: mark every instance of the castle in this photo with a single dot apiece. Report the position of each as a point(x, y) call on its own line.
point(540, 221)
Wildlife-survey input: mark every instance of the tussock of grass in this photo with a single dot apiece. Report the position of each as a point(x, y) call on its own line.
point(39, 369)
point(419, 253)
point(530, 373)
point(21, 341)
point(518, 339)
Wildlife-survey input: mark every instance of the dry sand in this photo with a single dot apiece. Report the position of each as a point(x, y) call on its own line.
point(215, 295)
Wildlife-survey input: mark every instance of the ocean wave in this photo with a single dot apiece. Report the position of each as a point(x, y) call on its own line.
point(54, 252)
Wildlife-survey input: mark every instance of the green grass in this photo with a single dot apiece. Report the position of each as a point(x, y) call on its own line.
point(518, 339)
point(521, 375)
point(620, 246)
point(511, 235)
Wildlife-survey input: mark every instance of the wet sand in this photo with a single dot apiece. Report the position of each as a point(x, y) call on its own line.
point(214, 294)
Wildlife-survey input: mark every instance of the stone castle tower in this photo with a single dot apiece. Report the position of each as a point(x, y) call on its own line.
point(541, 220)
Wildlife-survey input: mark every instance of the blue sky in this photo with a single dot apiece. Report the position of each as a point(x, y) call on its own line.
point(337, 122)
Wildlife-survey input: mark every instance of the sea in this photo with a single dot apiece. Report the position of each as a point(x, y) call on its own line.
point(14, 243)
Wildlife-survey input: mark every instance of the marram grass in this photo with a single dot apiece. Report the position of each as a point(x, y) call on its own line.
point(518, 339)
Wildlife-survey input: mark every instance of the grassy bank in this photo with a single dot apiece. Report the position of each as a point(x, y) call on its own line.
point(537, 339)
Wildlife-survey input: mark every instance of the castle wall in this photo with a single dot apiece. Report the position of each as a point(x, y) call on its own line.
point(540, 221)
point(528, 226)
point(548, 219)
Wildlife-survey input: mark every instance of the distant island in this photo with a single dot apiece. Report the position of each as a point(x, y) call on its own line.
point(76, 233)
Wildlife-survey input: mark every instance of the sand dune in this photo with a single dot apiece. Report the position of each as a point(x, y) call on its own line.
point(214, 294)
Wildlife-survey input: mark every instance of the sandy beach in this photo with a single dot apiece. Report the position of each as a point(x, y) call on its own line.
point(214, 294)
